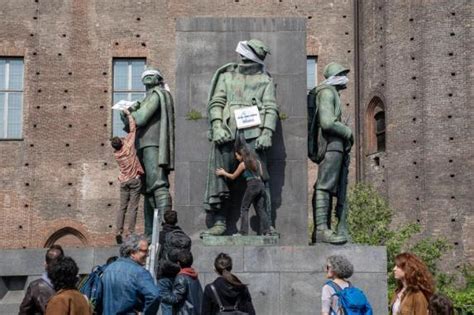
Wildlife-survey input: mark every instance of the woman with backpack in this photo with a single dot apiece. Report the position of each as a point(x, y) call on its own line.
point(338, 294)
point(227, 292)
point(415, 286)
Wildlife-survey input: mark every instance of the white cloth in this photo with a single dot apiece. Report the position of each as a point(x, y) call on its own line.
point(158, 73)
point(244, 50)
point(151, 72)
point(123, 104)
point(336, 80)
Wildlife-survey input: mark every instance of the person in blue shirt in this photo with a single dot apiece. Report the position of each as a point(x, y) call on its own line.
point(127, 286)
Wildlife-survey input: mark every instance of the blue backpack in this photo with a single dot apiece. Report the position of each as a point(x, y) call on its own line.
point(91, 286)
point(352, 301)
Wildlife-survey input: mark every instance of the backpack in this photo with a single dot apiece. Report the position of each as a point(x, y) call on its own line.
point(175, 239)
point(317, 143)
point(91, 286)
point(227, 310)
point(352, 300)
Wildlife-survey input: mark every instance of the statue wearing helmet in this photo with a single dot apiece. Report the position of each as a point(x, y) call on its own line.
point(329, 144)
point(236, 86)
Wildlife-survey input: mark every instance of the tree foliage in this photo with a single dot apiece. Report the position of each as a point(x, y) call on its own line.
point(370, 223)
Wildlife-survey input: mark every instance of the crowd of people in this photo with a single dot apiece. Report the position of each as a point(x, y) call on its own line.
point(126, 287)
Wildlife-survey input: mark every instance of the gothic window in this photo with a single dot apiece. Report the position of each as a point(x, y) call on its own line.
point(375, 126)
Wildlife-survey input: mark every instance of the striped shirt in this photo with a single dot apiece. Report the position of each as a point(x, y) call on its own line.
point(126, 157)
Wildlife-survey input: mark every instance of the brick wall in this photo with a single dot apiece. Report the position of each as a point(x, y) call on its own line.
point(418, 62)
point(68, 46)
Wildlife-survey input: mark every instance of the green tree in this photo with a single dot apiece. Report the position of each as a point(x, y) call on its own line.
point(370, 223)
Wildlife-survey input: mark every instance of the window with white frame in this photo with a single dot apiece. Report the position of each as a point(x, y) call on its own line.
point(311, 72)
point(11, 98)
point(127, 85)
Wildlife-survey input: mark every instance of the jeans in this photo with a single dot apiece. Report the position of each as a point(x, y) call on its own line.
point(254, 194)
point(129, 198)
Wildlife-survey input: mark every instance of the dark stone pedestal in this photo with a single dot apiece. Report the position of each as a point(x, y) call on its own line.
point(240, 240)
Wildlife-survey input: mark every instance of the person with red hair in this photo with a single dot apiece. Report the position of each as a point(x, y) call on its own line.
point(415, 286)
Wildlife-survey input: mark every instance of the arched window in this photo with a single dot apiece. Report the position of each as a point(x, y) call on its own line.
point(375, 126)
point(67, 236)
point(380, 130)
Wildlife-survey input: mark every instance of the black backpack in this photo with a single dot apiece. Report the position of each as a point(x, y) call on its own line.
point(175, 240)
point(227, 310)
point(316, 140)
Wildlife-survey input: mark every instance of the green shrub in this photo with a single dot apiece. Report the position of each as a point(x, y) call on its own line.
point(193, 115)
point(370, 223)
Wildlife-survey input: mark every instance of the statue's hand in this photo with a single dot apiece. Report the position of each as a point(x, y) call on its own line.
point(349, 143)
point(264, 141)
point(134, 107)
point(220, 135)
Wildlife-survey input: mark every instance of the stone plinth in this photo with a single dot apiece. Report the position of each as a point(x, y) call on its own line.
point(202, 46)
point(282, 279)
point(240, 240)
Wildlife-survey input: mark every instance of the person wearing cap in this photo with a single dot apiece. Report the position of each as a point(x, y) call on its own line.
point(333, 140)
point(235, 86)
point(154, 118)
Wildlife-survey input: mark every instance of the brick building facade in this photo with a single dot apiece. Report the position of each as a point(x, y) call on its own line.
point(58, 181)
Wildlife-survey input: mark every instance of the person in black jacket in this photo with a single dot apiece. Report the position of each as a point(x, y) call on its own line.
point(232, 292)
point(186, 296)
point(170, 219)
point(40, 291)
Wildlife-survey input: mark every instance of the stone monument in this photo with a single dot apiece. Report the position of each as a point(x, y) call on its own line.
point(234, 87)
point(329, 144)
point(204, 45)
point(154, 116)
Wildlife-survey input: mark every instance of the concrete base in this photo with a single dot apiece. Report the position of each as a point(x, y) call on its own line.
point(281, 279)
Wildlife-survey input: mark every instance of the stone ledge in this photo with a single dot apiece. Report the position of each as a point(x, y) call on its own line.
point(250, 240)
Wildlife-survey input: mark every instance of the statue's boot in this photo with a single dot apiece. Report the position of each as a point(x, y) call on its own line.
point(342, 227)
point(323, 208)
point(161, 200)
point(217, 229)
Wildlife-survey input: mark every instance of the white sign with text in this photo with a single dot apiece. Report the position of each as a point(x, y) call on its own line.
point(247, 117)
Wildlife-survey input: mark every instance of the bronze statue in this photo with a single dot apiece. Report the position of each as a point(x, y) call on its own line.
point(235, 86)
point(329, 145)
point(154, 117)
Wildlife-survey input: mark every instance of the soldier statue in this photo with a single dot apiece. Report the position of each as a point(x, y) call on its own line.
point(154, 116)
point(236, 86)
point(329, 144)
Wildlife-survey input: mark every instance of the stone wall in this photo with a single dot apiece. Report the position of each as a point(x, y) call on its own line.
point(281, 279)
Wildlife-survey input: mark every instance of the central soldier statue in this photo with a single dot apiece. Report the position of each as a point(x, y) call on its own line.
point(235, 86)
